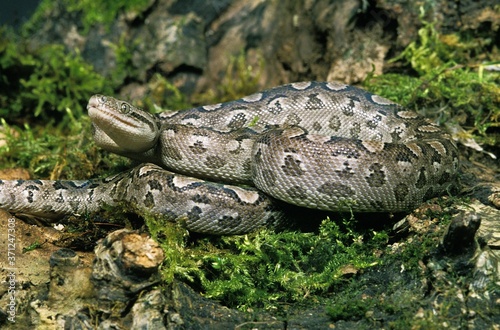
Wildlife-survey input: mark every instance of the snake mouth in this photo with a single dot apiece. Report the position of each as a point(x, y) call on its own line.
point(100, 113)
point(93, 101)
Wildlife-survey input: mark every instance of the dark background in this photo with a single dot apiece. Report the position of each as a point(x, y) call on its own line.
point(16, 12)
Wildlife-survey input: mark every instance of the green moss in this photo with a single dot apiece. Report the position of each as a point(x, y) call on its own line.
point(455, 97)
point(55, 153)
point(179, 262)
point(414, 286)
point(351, 306)
point(267, 269)
point(451, 83)
point(50, 83)
point(42, 106)
point(32, 247)
point(123, 66)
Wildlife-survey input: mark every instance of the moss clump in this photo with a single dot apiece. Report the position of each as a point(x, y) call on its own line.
point(57, 153)
point(268, 269)
point(451, 82)
point(42, 110)
point(48, 83)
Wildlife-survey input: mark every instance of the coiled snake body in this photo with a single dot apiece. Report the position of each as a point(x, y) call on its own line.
point(326, 146)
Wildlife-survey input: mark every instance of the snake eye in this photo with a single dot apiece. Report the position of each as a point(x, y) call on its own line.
point(103, 99)
point(125, 108)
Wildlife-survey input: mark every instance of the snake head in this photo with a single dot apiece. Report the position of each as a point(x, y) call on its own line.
point(120, 127)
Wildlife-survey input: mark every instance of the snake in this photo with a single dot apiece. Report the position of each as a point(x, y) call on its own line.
point(232, 167)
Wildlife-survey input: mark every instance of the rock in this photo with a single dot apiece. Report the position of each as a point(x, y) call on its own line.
point(126, 263)
point(169, 43)
point(69, 282)
point(494, 198)
point(192, 43)
point(148, 311)
point(69, 290)
point(460, 235)
point(124, 274)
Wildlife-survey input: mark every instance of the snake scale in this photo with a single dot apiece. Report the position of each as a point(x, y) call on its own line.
point(224, 168)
